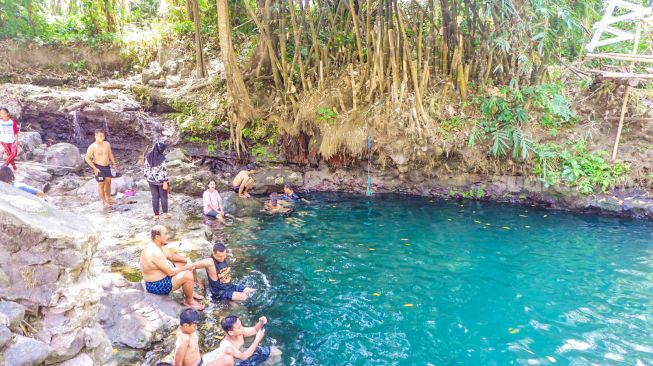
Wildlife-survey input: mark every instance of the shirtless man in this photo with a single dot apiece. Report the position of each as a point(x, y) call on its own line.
point(243, 181)
point(187, 350)
point(235, 339)
point(165, 271)
point(219, 276)
point(98, 156)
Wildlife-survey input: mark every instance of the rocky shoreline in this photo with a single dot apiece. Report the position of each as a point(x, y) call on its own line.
point(627, 203)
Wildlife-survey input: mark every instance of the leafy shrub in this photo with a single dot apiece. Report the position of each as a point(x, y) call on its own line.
point(576, 167)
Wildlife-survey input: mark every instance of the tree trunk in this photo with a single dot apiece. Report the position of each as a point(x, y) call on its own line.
point(242, 109)
point(189, 10)
point(199, 52)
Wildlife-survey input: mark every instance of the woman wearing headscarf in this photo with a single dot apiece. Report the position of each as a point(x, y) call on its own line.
point(156, 174)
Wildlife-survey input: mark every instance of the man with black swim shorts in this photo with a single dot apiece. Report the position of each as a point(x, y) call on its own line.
point(98, 156)
point(219, 276)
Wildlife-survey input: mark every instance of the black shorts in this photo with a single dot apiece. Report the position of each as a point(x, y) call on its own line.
point(105, 172)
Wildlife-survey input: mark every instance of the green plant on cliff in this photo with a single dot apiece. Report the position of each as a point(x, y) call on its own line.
point(327, 115)
point(502, 123)
point(504, 116)
point(575, 166)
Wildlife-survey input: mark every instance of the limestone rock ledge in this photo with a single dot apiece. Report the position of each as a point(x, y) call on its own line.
point(45, 256)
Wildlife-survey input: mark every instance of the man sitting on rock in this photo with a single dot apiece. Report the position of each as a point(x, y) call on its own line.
point(98, 156)
point(243, 182)
point(165, 271)
point(219, 276)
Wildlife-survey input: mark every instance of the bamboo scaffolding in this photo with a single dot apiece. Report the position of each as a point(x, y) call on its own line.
point(638, 32)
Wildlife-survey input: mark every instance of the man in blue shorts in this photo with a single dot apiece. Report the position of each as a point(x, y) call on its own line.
point(219, 276)
point(165, 271)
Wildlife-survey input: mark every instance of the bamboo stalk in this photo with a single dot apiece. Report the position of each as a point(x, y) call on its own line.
point(638, 32)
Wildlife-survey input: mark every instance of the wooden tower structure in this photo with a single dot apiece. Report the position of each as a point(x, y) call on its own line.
point(618, 14)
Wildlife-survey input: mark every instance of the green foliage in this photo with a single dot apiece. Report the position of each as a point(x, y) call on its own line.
point(576, 167)
point(327, 115)
point(452, 123)
point(504, 117)
point(191, 121)
point(76, 66)
point(142, 94)
point(261, 153)
point(502, 123)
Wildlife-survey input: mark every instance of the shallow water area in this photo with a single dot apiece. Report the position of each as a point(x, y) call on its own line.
point(400, 280)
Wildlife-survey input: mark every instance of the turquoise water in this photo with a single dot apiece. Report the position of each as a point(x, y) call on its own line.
point(396, 280)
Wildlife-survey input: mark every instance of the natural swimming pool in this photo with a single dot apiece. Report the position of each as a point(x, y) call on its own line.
point(347, 280)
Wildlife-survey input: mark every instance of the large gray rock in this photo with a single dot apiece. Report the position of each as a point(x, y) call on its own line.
point(64, 157)
point(14, 312)
point(34, 174)
point(119, 184)
point(28, 142)
point(272, 179)
point(137, 319)
point(81, 360)
point(25, 351)
point(153, 73)
point(237, 206)
point(192, 181)
point(177, 154)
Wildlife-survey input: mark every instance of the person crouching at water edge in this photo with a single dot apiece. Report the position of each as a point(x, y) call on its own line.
point(219, 276)
point(187, 350)
point(98, 157)
point(212, 203)
point(243, 181)
point(156, 174)
point(165, 271)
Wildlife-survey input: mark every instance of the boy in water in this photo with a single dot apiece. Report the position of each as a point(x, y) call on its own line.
point(98, 157)
point(219, 276)
point(243, 182)
point(274, 206)
point(235, 340)
point(290, 195)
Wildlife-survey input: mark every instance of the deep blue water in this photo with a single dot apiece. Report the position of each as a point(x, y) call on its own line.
point(400, 280)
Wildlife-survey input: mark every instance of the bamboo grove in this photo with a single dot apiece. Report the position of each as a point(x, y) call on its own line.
point(397, 52)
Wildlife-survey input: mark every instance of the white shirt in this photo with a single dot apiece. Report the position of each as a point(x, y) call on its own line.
point(7, 131)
